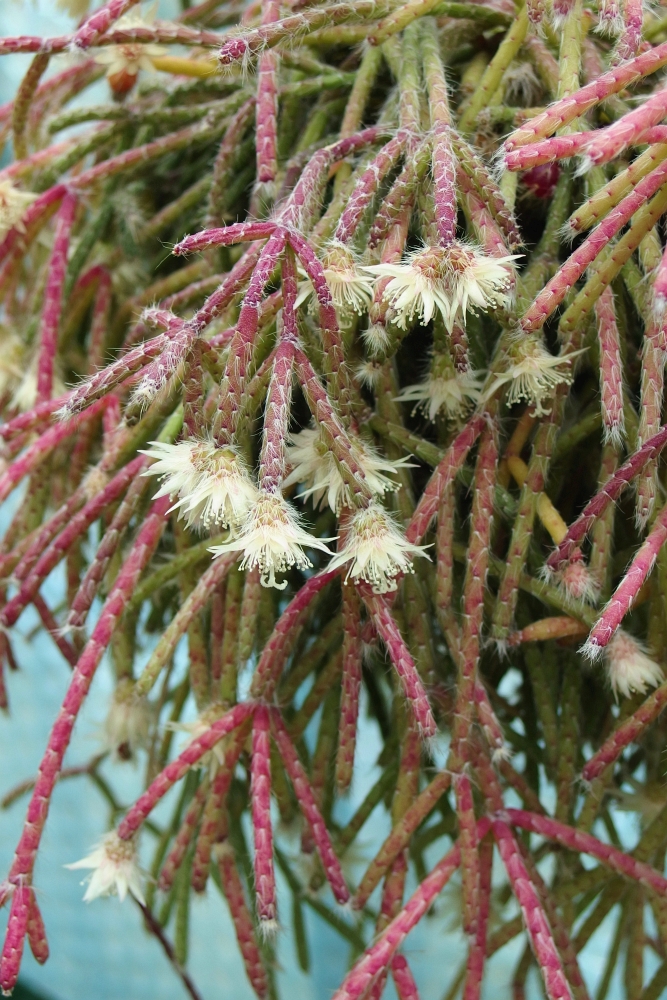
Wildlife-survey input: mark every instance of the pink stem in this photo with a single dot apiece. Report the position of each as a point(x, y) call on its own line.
point(626, 733)
point(266, 119)
point(43, 446)
point(100, 21)
point(312, 815)
point(379, 954)
point(276, 419)
point(611, 367)
point(403, 662)
point(444, 182)
point(627, 590)
point(53, 297)
point(17, 927)
point(59, 547)
point(557, 287)
point(183, 838)
point(573, 106)
point(468, 844)
point(366, 187)
point(51, 625)
point(192, 754)
point(36, 931)
point(608, 494)
point(260, 796)
point(585, 843)
point(445, 473)
point(239, 232)
point(349, 702)
point(546, 953)
point(278, 645)
point(49, 769)
point(630, 39)
point(240, 914)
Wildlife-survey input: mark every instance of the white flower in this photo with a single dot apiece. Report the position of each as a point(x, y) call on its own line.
point(376, 550)
point(124, 61)
point(351, 291)
point(115, 869)
point(313, 464)
point(272, 539)
point(532, 373)
point(449, 279)
point(127, 725)
point(13, 204)
point(629, 668)
point(212, 484)
point(454, 395)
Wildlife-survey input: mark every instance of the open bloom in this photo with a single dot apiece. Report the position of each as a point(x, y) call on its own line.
point(13, 204)
point(376, 550)
point(272, 539)
point(124, 62)
point(629, 668)
point(451, 280)
point(531, 372)
point(211, 484)
point(452, 395)
point(115, 870)
point(351, 290)
point(313, 464)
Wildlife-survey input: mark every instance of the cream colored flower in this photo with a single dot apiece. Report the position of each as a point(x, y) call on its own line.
point(13, 203)
point(272, 539)
point(127, 725)
point(451, 280)
point(531, 372)
point(314, 465)
point(453, 396)
point(115, 870)
point(629, 668)
point(125, 61)
point(351, 290)
point(376, 550)
point(212, 484)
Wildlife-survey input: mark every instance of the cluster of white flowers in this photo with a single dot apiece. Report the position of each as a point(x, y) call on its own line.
point(313, 464)
point(450, 280)
point(13, 203)
point(272, 539)
point(531, 373)
point(212, 484)
point(629, 668)
point(375, 550)
point(115, 869)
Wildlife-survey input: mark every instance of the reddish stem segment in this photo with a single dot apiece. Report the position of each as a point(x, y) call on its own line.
point(260, 795)
point(53, 297)
point(192, 754)
point(312, 815)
